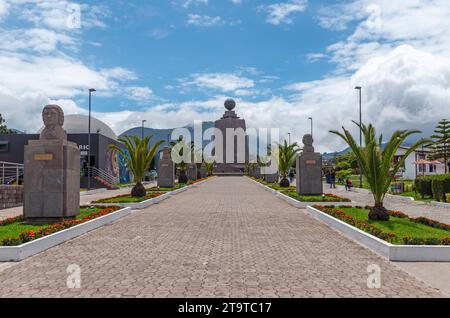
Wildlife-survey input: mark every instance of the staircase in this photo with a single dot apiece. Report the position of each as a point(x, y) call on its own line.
point(10, 173)
point(101, 178)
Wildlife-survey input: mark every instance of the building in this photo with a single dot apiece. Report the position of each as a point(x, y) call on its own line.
point(417, 164)
point(106, 165)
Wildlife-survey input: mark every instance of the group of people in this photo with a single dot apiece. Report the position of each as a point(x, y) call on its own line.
point(331, 180)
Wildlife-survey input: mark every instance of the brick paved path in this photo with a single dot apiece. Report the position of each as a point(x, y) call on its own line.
point(228, 237)
point(412, 208)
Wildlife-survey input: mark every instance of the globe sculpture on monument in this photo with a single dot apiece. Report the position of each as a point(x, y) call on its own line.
point(51, 173)
point(309, 169)
point(234, 163)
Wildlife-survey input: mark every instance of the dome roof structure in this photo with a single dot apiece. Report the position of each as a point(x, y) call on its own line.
point(78, 124)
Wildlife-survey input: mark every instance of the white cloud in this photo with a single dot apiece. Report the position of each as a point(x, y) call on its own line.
point(225, 82)
point(39, 40)
point(204, 20)
point(187, 3)
point(139, 93)
point(59, 14)
point(3, 8)
point(281, 13)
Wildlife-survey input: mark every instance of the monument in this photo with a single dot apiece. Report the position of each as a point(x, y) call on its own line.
point(203, 171)
point(240, 155)
point(192, 171)
point(166, 170)
point(51, 173)
point(309, 169)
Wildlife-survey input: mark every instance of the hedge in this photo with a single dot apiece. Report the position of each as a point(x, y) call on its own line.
point(440, 186)
point(423, 186)
point(436, 186)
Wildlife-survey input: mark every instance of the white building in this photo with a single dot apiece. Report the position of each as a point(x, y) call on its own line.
point(417, 164)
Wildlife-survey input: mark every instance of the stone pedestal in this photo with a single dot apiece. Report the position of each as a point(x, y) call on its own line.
point(271, 178)
point(192, 171)
point(51, 181)
point(203, 172)
point(166, 170)
point(309, 170)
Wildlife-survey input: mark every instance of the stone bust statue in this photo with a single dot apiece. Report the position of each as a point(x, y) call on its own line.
point(308, 143)
point(53, 117)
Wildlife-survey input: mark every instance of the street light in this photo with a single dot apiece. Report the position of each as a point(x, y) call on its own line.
point(310, 118)
point(359, 89)
point(143, 122)
point(289, 134)
point(91, 90)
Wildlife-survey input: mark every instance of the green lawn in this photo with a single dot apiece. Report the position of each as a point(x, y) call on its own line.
point(276, 186)
point(128, 198)
point(400, 226)
point(14, 229)
point(315, 198)
point(162, 189)
point(417, 196)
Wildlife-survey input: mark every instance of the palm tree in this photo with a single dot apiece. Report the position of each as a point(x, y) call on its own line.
point(210, 167)
point(287, 154)
point(138, 157)
point(377, 164)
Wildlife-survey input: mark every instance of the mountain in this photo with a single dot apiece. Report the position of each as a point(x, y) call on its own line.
point(163, 134)
point(331, 155)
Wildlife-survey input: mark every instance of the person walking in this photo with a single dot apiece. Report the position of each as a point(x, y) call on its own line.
point(333, 179)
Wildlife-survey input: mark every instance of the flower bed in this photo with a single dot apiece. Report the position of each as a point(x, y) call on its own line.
point(33, 232)
point(197, 181)
point(400, 229)
point(328, 197)
point(126, 198)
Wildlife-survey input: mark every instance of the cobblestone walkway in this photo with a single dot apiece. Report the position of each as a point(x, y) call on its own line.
point(226, 238)
point(412, 208)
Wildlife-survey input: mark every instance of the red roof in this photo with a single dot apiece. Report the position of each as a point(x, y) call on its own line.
point(426, 162)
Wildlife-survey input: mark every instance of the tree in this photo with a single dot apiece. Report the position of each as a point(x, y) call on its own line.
point(4, 130)
point(376, 164)
point(138, 157)
point(210, 167)
point(287, 155)
point(441, 142)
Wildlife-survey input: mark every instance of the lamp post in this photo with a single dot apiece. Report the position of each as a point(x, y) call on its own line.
point(91, 90)
point(310, 118)
point(359, 89)
point(143, 122)
point(289, 134)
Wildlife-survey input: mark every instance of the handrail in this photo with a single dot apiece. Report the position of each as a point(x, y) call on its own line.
point(10, 172)
point(96, 172)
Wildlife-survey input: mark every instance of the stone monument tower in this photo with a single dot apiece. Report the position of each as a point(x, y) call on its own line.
point(51, 173)
point(309, 169)
point(166, 170)
point(232, 121)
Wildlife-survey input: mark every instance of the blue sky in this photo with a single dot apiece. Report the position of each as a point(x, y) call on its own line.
point(156, 40)
point(173, 62)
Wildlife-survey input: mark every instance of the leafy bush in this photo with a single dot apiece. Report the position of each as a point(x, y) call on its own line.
point(343, 174)
point(447, 197)
point(423, 186)
point(440, 185)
